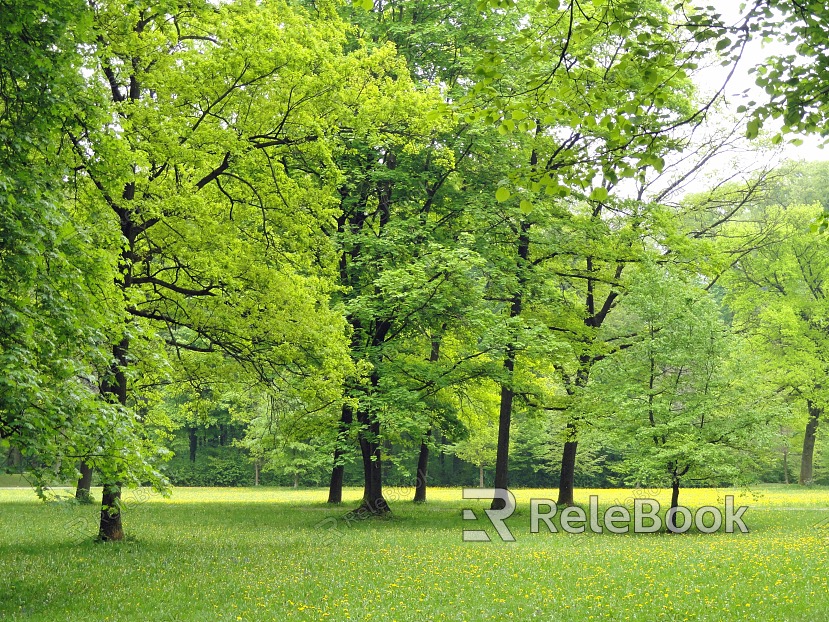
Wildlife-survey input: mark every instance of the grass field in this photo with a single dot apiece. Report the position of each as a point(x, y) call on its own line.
point(280, 554)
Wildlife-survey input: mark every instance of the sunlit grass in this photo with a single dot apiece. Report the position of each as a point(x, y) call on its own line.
point(274, 554)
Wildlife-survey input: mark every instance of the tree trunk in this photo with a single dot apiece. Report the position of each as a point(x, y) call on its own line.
point(110, 528)
point(785, 465)
point(671, 523)
point(15, 458)
point(296, 480)
point(373, 500)
point(568, 469)
point(83, 490)
point(480, 476)
point(507, 393)
point(335, 488)
point(256, 472)
point(422, 470)
point(194, 443)
point(504, 420)
point(806, 461)
point(423, 458)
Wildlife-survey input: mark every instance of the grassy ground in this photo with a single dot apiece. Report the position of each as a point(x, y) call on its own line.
point(276, 554)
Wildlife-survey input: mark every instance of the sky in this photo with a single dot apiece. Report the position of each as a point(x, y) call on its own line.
point(754, 54)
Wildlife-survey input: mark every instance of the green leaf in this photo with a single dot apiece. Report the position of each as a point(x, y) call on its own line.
point(526, 206)
point(598, 194)
point(753, 129)
point(502, 194)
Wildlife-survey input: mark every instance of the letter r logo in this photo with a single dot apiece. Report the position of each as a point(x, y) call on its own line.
point(496, 517)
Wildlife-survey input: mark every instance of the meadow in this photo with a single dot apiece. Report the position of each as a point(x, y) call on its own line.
point(283, 554)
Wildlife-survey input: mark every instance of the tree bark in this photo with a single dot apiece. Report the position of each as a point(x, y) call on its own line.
point(194, 443)
point(807, 458)
point(256, 472)
point(785, 465)
point(504, 421)
point(423, 457)
point(422, 470)
point(15, 458)
point(84, 488)
point(671, 523)
point(335, 488)
point(296, 480)
point(507, 393)
point(480, 476)
point(373, 500)
point(568, 469)
point(110, 528)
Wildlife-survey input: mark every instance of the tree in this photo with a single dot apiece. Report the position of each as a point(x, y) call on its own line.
point(777, 295)
point(687, 402)
point(51, 333)
point(212, 186)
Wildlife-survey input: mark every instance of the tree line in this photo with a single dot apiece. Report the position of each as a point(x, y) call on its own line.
point(352, 227)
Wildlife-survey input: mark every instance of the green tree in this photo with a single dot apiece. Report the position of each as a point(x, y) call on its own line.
point(777, 296)
point(687, 402)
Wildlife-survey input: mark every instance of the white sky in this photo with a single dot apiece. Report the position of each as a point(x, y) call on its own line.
point(755, 53)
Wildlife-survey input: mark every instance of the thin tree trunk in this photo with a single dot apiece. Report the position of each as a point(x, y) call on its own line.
point(807, 458)
point(671, 523)
point(296, 480)
point(422, 470)
point(335, 488)
point(84, 488)
point(110, 529)
point(256, 472)
point(15, 458)
point(194, 443)
point(423, 457)
point(504, 421)
point(480, 476)
point(785, 465)
point(507, 393)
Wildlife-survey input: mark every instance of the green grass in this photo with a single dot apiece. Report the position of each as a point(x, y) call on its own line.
point(261, 554)
point(13, 480)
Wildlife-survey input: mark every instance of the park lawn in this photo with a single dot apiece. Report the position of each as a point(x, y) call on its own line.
point(282, 554)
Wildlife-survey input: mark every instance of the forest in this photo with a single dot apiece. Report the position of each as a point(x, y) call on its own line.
point(310, 243)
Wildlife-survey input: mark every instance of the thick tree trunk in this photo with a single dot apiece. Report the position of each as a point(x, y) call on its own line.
point(335, 488)
point(296, 480)
point(373, 500)
point(110, 529)
point(422, 470)
point(83, 490)
point(194, 443)
point(807, 458)
point(568, 469)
